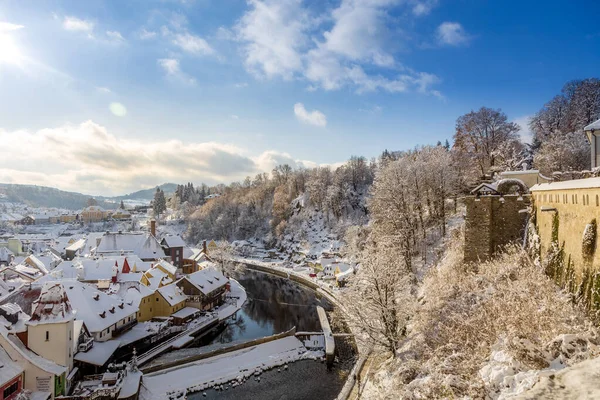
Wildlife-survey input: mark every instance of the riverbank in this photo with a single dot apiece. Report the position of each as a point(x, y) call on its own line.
point(226, 371)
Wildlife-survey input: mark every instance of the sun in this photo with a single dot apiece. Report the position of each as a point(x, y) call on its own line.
point(9, 51)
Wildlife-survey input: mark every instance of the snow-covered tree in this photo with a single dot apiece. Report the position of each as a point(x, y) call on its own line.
point(479, 135)
point(563, 152)
point(160, 203)
point(379, 301)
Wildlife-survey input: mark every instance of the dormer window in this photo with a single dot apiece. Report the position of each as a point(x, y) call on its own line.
point(112, 310)
point(97, 296)
point(103, 314)
point(121, 306)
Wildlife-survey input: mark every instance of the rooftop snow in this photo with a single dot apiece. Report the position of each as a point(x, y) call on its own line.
point(8, 368)
point(173, 294)
point(207, 280)
point(53, 306)
point(141, 244)
point(99, 353)
point(593, 126)
point(98, 310)
point(174, 241)
point(588, 183)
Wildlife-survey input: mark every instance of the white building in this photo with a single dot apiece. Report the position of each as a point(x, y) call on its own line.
point(593, 132)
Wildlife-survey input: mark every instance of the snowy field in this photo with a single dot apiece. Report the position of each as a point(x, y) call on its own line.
point(225, 371)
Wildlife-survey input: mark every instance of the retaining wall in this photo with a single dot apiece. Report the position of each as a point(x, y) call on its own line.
point(218, 352)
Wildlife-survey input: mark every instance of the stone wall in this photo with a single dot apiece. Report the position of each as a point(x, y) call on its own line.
point(493, 222)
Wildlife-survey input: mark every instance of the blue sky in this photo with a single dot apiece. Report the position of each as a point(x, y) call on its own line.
point(212, 91)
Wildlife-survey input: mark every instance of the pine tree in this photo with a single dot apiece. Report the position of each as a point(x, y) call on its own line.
point(160, 203)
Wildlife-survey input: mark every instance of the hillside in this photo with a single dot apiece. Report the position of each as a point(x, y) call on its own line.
point(42, 196)
point(147, 194)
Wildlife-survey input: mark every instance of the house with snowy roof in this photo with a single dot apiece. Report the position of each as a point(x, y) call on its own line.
point(11, 376)
point(174, 245)
point(93, 214)
point(141, 244)
point(592, 132)
point(205, 289)
point(50, 327)
point(105, 316)
point(43, 377)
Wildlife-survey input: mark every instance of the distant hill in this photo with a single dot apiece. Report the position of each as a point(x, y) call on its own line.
point(42, 196)
point(147, 194)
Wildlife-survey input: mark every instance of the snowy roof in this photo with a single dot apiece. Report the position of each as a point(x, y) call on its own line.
point(593, 126)
point(185, 312)
point(97, 309)
point(157, 277)
point(166, 266)
point(78, 245)
point(522, 172)
point(492, 187)
point(52, 307)
point(173, 241)
point(141, 244)
point(207, 280)
point(39, 262)
point(588, 183)
point(99, 353)
point(93, 208)
point(173, 294)
point(41, 362)
point(89, 269)
point(8, 368)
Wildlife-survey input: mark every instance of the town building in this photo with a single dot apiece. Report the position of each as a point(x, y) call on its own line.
point(205, 289)
point(174, 246)
point(592, 131)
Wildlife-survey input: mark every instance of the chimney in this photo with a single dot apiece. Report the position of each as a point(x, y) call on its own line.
point(204, 247)
point(153, 227)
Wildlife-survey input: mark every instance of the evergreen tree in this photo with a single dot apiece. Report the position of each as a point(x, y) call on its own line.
point(122, 205)
point(160, 203)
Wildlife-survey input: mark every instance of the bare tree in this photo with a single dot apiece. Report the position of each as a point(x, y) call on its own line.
point(379, 300)
point(479, 135)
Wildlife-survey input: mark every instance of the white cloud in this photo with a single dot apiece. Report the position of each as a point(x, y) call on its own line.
point(420, 7)
point(452, 33)
point(233, 116)
point(7, 27)
point(241, 85)
point(115, 36)
point(192, 44)
point(77, 24)
point(87, 158)
point(525, 132)
point(282, 39)
point(172, 69)
point(315, 117)
point(145, 34)
point(102, 89)
point(274, 35)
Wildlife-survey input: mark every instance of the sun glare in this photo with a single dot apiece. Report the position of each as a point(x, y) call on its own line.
point(9, 51)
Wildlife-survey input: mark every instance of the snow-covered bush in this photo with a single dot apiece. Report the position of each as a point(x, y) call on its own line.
point(468, 312)
point(588, 242)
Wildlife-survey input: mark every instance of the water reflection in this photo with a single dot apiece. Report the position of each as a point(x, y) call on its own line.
point(274, 305)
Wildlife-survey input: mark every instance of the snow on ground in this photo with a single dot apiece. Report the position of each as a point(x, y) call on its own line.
point(505, 377)
point(234, 367)
point(581, 381)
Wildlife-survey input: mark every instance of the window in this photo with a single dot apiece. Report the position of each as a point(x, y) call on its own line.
point(11, 389)
point(597, 204)
point(47, 336)
point(70, 335)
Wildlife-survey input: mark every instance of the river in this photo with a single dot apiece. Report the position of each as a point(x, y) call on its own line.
point(274, 305)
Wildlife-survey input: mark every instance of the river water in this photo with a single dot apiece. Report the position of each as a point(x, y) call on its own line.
point(274, 305)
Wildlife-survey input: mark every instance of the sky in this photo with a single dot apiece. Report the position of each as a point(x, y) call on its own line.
point(108, 97)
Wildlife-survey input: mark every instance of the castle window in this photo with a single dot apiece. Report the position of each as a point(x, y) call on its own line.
point(597, 204)
point(47, 336)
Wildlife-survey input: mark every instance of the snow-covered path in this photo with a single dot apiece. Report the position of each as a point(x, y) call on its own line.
point(238, 365)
